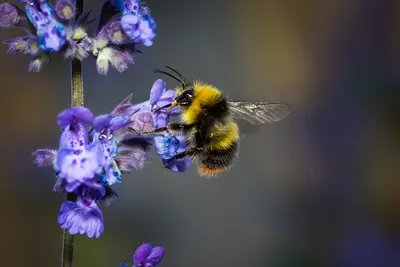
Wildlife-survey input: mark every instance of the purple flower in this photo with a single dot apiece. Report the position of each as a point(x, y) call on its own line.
point(11, 16)
point(51, 33)
point(169, 146)
point(150, 117)
point(77, 159)
point(159, 97)
point(59, 30)
point(136, 21)
point(82, 216)
point(146, 256)
point(26, 45)
point(109, 121)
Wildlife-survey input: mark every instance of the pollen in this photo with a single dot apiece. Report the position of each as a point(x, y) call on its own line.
point(67, 12)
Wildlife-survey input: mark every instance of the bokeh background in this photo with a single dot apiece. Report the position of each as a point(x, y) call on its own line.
point(320, 188)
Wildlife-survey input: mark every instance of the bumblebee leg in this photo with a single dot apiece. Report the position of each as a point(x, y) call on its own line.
point(155, 131)
point(187, 153)
point(180, 128)
point(174, 127)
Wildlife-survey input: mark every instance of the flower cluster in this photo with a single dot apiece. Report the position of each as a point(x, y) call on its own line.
point(146, 256)
point(95, 151)
point(59, 29)
point(89, 162)
point(151, 117)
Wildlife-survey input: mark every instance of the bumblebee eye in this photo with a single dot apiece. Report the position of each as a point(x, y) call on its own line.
point(103, 136)
point(110, 137)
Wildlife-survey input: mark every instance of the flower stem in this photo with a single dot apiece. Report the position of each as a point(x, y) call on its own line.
point(76, 100)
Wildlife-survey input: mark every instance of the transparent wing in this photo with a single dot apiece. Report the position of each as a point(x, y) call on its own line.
point(258, 112)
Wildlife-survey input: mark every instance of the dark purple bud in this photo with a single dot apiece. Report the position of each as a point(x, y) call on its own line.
point(65, 9)
point(9, 15)
point(114, 32)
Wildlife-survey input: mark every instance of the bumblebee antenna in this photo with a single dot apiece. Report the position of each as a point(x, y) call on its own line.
point(175, 71)
point(170, 75)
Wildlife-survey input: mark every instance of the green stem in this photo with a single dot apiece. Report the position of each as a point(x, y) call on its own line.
point(76, 100)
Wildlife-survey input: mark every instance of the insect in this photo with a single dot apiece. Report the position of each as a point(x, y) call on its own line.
point(208, 122)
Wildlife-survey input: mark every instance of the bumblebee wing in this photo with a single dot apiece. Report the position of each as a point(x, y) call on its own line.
point(258, 112)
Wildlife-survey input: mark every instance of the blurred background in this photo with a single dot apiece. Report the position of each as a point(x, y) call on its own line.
point(320, 188)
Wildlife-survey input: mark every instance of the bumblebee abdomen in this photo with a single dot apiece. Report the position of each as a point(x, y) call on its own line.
point(216, 161)
point(222, 136)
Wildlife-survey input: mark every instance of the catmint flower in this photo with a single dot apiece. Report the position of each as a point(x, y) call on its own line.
point(167, 147)
point(146, 256)
point(58, 30)
point(51, 33)
point(26, 45)
point(136, 21)
point(152, 117)
point(83, 216)
point(77, 159)
point(104, 126)
point(129, 151)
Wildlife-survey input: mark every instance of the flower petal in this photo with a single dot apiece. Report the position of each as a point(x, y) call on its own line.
point(111, 175)
point(101, 122)
point(81, 217)
point(166, 147)
point(157, 91)
point(129, 23)
point(156, 255)
point(119, 121)
point(147, 30)
point(141, 254)
point(142, 121)
point(74, 136)
point(80, 114)
point(80, 164)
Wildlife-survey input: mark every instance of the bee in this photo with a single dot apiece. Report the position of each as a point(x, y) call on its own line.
point(208, 122)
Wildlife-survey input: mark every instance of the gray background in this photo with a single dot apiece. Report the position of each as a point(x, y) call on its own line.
point(319, 188)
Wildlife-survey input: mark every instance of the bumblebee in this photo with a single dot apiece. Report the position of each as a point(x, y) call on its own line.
point(208, 122)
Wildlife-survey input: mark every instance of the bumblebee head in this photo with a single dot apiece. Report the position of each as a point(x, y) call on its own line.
point(185, 92)
point(185, 98)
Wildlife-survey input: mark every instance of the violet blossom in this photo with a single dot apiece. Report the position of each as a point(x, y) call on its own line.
point(58, 29)
point(89, 162)
point(152, 117)
point(146, 256)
